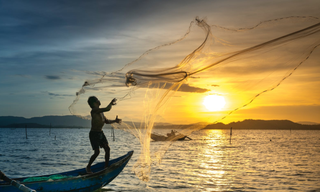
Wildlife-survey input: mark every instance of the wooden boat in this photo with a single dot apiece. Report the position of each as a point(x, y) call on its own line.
point(76, 180)
point(176, 137)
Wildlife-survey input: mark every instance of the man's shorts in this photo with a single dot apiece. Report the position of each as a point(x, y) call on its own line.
point(97, 139)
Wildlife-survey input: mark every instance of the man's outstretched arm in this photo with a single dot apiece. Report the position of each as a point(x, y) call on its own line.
point(107, 121)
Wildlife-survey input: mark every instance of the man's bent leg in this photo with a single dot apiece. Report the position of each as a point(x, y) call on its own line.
point(93, 157)
point(107, 154)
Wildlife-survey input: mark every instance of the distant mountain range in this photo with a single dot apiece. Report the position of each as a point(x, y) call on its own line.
point(264, 124)
point(70, 121)
point(43, 122)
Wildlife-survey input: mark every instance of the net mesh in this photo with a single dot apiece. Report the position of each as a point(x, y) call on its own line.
point(240, 64)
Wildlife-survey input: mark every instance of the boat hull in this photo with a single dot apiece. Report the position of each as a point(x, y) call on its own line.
point(157, 137)
point(79, 182)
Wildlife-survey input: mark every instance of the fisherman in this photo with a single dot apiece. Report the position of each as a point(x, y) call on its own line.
point(96, 135)
point(171, 134)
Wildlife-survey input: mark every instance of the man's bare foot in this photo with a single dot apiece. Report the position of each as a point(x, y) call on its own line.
point(88, 170)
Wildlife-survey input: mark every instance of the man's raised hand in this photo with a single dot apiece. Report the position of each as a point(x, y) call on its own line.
point(118, 120)
point(114, 101)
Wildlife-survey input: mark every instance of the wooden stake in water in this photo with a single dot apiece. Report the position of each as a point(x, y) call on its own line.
point(230, 134)
point(26, 133)
point(112, 134)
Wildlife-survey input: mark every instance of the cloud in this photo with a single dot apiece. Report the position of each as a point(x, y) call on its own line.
point(183, 88)
point(52, 77)
point(51, 37)
point(58, 95)
point(188, 88)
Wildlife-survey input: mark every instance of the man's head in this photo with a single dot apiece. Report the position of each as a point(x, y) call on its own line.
point(93, 101)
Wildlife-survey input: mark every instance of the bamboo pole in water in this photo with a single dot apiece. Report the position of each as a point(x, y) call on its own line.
point(26, 132)
point(112, 134)
point(230, 134)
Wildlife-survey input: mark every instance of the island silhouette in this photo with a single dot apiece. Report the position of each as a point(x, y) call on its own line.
point(70, 121)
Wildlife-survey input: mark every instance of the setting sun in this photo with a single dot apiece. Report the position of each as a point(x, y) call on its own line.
point(214, 102)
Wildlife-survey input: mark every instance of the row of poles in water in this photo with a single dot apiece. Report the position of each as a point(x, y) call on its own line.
point(112, 133)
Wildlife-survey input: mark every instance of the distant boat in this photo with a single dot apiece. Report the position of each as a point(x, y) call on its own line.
point(75, 181)
point(170, 136)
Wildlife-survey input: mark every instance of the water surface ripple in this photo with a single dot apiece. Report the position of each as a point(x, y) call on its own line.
point(255, 160)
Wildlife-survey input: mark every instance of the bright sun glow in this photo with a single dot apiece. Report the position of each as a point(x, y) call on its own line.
point(214, 102)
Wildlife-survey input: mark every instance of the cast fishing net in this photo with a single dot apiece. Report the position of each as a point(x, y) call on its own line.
point(240, 64)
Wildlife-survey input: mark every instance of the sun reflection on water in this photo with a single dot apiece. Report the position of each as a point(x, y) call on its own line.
point(213, 158)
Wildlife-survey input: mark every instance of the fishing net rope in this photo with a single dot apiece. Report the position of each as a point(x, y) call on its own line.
point(239, 64)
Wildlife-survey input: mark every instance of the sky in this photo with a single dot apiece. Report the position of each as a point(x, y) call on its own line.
point(49, 48)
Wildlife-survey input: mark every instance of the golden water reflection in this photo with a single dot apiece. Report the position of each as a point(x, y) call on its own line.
point(251, 162)
point(211, 156)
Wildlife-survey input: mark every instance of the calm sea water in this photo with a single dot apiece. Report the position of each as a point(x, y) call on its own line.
point(255, 160)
